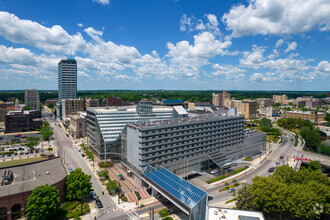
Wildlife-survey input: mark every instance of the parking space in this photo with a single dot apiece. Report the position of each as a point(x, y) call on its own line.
point(7, 139)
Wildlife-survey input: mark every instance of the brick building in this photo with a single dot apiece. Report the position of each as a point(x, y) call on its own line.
point(114, 101)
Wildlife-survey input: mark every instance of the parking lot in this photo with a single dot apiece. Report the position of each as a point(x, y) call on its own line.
point(7, 139)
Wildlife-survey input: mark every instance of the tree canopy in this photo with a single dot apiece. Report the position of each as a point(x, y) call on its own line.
point(112, 185)
point(43, 203)
point(77, 182)
point(288, 193)
point(311, 136)
point(46, 131)
point(265, 122)
point(50, 105)
point(32, 142)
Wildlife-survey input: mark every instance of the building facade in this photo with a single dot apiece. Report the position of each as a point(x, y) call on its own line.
point(22, 121)
point(77, 126)
point(264, 102)
point(105, 124)
point(114, 101)
point(71, 107)
point(246, 107)
point(220, 99)
point(189, 144)
point(31, 99)
point(280, 99)
point(269, 111)
point(313, 116)
point(91, 103)
point(67, 82)
point(53, 101)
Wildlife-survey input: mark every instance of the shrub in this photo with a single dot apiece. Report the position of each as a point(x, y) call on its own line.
point(123, 198)
point(247, 158)
point(107, 164)
point(137, 195)
point(163, 213)
point(168, 218)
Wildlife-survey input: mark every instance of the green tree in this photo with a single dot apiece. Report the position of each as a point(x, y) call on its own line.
point(315, 165)
point(311, 136)
point(112, 186)
point(26, 108)
point(287, 193)
point(43, 203)
point(46, 131)
point(78, 182)
point(265, 122)
point(32, 142)
point(50, 105)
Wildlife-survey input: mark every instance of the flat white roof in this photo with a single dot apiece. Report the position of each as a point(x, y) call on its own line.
point(233, 214)
point(130, 108)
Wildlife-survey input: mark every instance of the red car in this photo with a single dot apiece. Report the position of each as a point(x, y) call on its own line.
point(37, 151)
point(31, 151)
point(83, 155)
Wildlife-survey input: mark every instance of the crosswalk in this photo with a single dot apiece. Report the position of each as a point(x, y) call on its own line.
point(133, 216)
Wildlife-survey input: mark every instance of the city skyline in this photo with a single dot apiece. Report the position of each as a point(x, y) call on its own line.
point(171, 45)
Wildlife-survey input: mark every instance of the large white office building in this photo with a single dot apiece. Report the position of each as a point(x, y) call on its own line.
point(189, 144)
point(67, 82)
point(31, 99)
point(104, 125)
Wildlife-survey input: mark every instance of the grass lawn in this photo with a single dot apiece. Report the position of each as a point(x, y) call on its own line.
point(19, 162)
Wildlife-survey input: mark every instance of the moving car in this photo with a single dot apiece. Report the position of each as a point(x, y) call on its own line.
point(99, 203)
point(210, 198)
point(281, 157)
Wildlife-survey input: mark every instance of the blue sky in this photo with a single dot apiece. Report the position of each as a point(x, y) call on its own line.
point(167, 44)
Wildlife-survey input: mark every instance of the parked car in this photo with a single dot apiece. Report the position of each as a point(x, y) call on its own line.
point(272, 169)
point(93, 195)
point(83, 155)
point(26, 151)
point(31, 151)
point(210, 198)
point(230, 190)
point(67, 135)
point(214, 171)
point(8, 155)
point(21, 153)
point(281, 157)
point(99, 203)
point(15, 153)
point(20, 148)
point(42, 150)
point(37, 151)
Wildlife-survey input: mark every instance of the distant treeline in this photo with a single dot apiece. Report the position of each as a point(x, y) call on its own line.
point(136, 95)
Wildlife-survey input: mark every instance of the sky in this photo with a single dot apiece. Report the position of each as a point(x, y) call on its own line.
point(167, 44)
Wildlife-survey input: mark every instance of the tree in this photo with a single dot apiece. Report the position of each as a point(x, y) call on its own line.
point(287, 193)
point(265, 122)
point(26, 108)
point(315, 165)
point(43, 203)
point(76, 183)
point(46, 131)
point(311, 136)
point(32, 142)
point(50, 105)
point(112, 186)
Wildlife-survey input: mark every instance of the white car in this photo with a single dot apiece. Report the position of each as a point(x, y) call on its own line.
point(214, 171)
point(93, 195)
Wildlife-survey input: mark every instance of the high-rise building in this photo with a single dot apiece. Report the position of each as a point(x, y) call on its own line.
point(31, 99)
point(220, 99)
point(245, 107)
point(91, 103)
point(67, 82)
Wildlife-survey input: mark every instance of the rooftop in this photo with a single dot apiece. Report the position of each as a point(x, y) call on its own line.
point(175, 121)
point(229, 214)
point(29, 176)
point(182, 190)
point(129, 108)
point(304, 112)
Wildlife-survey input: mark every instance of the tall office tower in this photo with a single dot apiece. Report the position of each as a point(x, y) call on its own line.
point(31, 99)
point(67, 82)
point(220, 99)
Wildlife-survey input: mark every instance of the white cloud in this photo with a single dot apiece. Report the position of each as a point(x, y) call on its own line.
point(103, 2)
point(229, 71)
point(275, 54)
point(190, 24)
point(279, 42)
point(321, 71)
point(80, 25)
point(262, 77)
point(278, 17)
point(291, 46)
point(54, 39)
point(253, 59)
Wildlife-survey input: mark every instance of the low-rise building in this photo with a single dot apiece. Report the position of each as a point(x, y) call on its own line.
point(2, 114)
point(245, 107)
point(13, 196)
point(53, 101)
point(264, 102)
point(313, 116)
point(71, 107)
point(91, 103)
point(269, 111)
point(77, 126)
point(21, 121)
point(114, 101)
point(280, 99)
point(173, 102)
